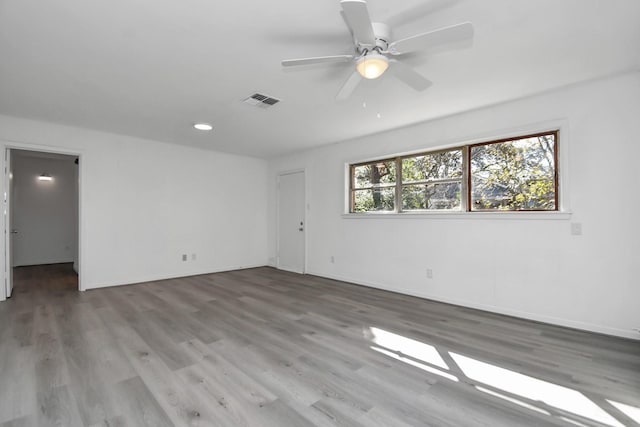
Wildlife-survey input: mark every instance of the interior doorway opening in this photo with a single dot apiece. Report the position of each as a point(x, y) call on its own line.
point(41, 215)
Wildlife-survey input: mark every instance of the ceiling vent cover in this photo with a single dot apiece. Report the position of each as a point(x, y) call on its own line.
point(260, 100)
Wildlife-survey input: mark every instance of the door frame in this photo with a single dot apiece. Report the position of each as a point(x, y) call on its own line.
point(15, 145)
point(306, 224)
point(7, 283)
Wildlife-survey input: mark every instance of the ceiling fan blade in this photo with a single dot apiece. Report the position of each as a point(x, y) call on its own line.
point(349, 86)
point(432, 39)
point(316, 60)
point(357, 16)
point(346, 22)
point(408, 75)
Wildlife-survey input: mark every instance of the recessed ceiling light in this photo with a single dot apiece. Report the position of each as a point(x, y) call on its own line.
point(203, 126)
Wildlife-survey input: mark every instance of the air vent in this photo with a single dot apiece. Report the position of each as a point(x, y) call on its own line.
point(260, 100)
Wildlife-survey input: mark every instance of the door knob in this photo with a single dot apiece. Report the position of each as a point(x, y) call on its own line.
point(14, 231)
point(300, 229)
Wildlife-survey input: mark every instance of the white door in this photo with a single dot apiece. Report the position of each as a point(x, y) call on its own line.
point(291, 222)
point(8, 231)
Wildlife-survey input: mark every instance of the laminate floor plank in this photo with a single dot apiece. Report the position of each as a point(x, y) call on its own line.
point(190, 294)
point(229, 377)
point(263, 347)
point(379, 417)
point(138, 406)
point(17, 381)
point(170, 292)
point(26, 421)
point(180, 403)
point(164, 341)
point(57, 407)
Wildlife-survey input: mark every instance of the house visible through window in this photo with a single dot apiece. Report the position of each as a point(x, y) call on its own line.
point(515, 174)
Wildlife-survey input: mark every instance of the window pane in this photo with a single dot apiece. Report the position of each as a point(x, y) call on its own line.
point(514, 175)
point(375, 173)
point(372, 200)
point(431, 196)
point(435, 166)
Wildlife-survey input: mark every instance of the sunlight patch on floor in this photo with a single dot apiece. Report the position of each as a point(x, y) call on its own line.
point(574, 422)
point(410, 347)
point(414, 363)
point(536, 394)
point(512, 400)
point(534, 389)
point(630, 411)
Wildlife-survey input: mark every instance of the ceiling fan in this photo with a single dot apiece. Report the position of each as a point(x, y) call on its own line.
point(375, 52)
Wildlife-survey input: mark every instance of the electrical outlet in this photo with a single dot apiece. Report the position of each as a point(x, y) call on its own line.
point(184, 257)
point(429, 273)
point(193, 257)
point(576, 228)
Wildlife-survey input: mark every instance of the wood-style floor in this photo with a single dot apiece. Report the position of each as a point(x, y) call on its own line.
point(262, 347)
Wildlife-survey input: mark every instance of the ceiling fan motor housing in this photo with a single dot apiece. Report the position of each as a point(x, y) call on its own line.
point(382, 33)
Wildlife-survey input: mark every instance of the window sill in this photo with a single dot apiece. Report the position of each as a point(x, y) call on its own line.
point(462, 215)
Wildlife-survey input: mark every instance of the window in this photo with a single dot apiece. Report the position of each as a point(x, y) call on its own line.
point(432, 181)
point(516, 174)
point(373, 186)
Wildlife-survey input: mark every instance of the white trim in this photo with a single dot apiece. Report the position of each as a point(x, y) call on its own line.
point(568, 323)
point(152, 278)
point(551, 215)
point(6, 238)
point(289, 270)
point(16, 145)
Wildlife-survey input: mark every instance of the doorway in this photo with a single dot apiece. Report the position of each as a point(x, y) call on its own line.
point(41, 216)
point(291, 222)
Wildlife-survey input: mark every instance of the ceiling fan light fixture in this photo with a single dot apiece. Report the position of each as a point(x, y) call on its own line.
point(372, 65)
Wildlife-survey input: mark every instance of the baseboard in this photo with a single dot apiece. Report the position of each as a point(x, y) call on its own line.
point(567, 323)
point(154, 278)
point(286, 269)
point(44, 263)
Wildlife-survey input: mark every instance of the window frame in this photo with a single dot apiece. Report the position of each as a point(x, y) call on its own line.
point(466, 187)
point(353, 189)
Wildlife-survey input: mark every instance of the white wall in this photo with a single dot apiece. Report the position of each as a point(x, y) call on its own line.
point(145, 203)
point(528, 266)
point(44, 212)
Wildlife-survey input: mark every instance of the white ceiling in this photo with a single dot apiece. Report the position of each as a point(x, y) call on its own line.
point(151, 68)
